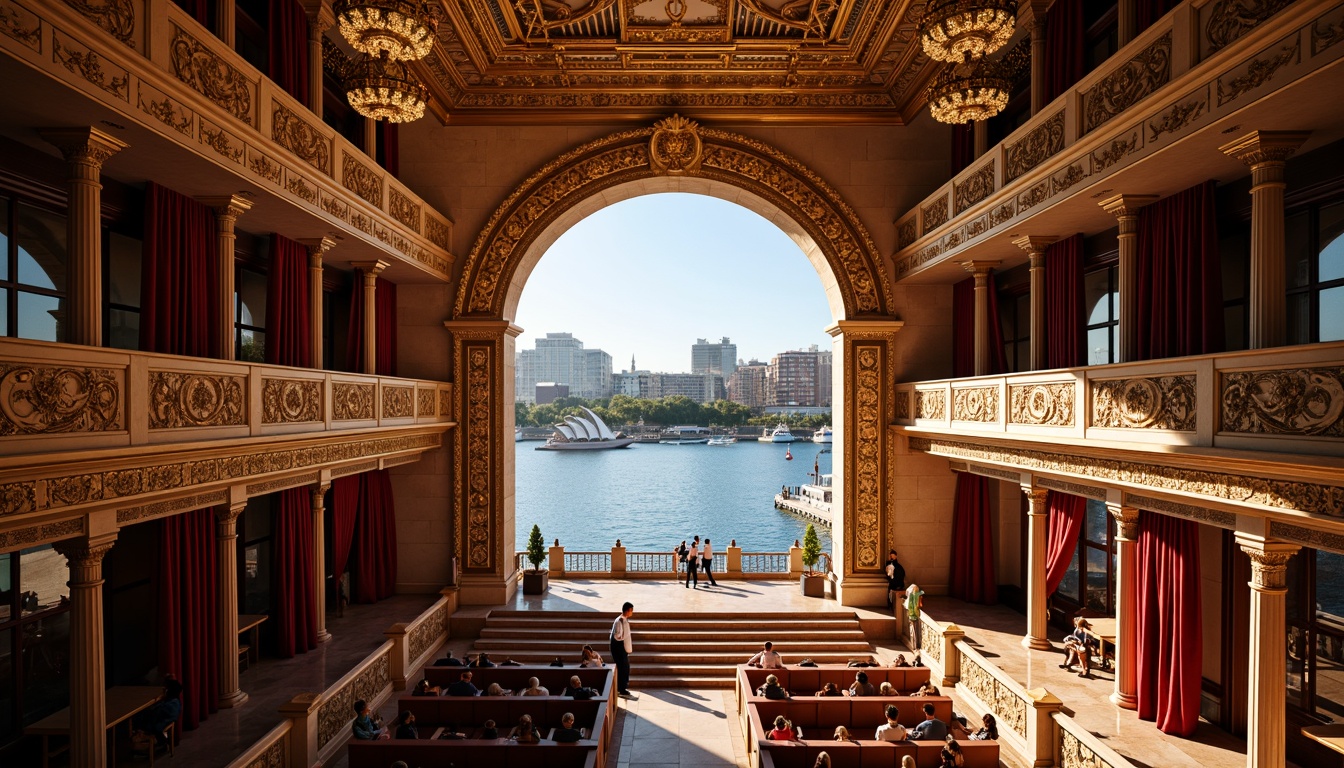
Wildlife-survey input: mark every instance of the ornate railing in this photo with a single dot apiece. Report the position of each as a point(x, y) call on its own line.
point(731, 562)
point(1078, 748)
point(651, 562)
point(587, 562)
point(765, 562)
point(271, 751)
point(371, 681)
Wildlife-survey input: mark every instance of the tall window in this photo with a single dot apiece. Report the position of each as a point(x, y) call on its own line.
point(1102, 300)
point(1089, 583)
point(1316, 274)
point(32, 272)
point(1315, 613)
point(121, 280)
point(34, 638)
point(250, 315)
point(1015, 320)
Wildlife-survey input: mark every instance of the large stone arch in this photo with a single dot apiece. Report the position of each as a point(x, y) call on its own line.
point(673, 154)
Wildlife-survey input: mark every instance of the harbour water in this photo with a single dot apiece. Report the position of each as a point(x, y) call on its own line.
point(652, 496)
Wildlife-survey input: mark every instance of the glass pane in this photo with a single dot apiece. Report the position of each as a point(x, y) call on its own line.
point(41, 238)
point(4, 312)
point(1332, 314)
point(1068, 586)
point(123, 271)
point(7, 685)
point(252, 346)
point(39, 317)
point(1099, 346)
point(1234, 253)
point(1299, 318)
point(1097, 297)
point(1098, 522)
point(123, 329)
point(1098, 580)
point(1297, 664)
point(6, 596)
point(257, 578)
point(43, 574)
point(1298, 250)
point(4, 259)
point(46, 677)
point(1007, 323)
point(1330, 586)
point(1329, 670)
point(1331, 263)
point(251, 298)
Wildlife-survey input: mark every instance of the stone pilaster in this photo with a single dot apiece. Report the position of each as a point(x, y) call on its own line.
point(88, 698)
point(1266, 722)
point(983, 352)
point(371, 271)
point(1126, 605)
point(1125, 209)
point(320, 19)
point(371, 137)
point(226, 21)
point(1035, 247)
point(979, 137)
point(226, 535)
point(1266, 153)
point(317, 248)
point(1037, 615)
point(1126, 22)
point(85, 150)
point(319, 493)
point(1037, 62)
point(227, 210)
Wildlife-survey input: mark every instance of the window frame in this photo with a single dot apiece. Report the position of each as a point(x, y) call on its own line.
point(1112, 323)
point(1313, 287)
point(10, 286)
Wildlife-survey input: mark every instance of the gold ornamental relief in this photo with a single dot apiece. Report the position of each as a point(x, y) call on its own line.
point(930, 404)
point(42, 400)
point(351, 402)
point(675, 148)
point(479, 442)
point(867, 446)
point(1305, 401)
point(196, 400)
point(290, 401)
point(1048, 405)
point(1161, 402)
point(979, 404)
point(398, 402)
point(1075, 754)
point(333, 715)
point(424, 402)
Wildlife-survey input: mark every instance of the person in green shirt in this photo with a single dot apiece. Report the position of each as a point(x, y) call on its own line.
point(914, 598)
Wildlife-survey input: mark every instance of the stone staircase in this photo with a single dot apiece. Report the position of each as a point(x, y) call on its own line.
point(675, 650)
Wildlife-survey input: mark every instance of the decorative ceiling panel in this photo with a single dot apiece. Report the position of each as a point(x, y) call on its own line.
point(778, 60)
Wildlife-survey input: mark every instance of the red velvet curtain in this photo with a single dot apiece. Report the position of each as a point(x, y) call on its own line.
point(188, 594)
point(1170, 643)
point(344, 508)
point(385, 348)
point(963, 147)
point(998, 358)
point(295, 595)
point(287, 43)
point(963, 328)
point(1065, 514)
point(199, 10)
point(179, 285)
point(375, 539)
point(389, 147)
point(1147, 12)
point(1180, 276)
point(973, 576)
point(287, 312)
point(1064, 320)
point(1065, 41)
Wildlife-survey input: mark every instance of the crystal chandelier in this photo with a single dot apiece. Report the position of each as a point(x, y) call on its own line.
point(383, 89)
point(953, 30)
point(403, 30)
point(968, 91)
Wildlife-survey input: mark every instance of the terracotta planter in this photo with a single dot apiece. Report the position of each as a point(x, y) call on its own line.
point(813, 586)
point(535, 582)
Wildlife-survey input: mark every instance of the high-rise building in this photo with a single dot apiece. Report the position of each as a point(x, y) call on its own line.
point(824, 371)
point(793, 378)
point(748, 384)
point(561, 359)
point(714, 357)
point(700, 387)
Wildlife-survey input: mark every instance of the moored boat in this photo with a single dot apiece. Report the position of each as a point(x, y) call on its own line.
point(722, 440)
point(584, 434)
point(685, 436)
point(822, 435)
point(779, 434)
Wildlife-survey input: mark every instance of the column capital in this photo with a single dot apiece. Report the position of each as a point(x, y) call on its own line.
point(227, 208)
point(319, 490)
point(1269, 560)
point(474, 328)
point(84, 551)
point(87, 145)
point(371, 268)
point(842, 327)
point(1126, 521)
point(227, 514)
point(1122, 206)
point(980, 269)
point(317, 247)
point(1260, 147)
point(1034, 244)
point(1036, 496)
point(320, 16)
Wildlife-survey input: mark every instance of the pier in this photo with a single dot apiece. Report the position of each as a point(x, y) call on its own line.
point(800, 506)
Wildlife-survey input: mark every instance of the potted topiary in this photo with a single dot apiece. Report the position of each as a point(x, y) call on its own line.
point(813, 582)
point(534, 581)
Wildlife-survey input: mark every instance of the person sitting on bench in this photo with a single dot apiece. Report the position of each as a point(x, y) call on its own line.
point(577, 690)
point(567, 733)
point(463, 686)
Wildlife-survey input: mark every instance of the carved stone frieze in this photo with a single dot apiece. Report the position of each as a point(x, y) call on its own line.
point(1149, 70)
point(354, 469)
point(211, 76)
point(1042, 143)
point(903, 405)
point(280, 484)
point(403, 208)
point(979, 404)
point(300, 137)
point(18, 498)
point(160, 509)
point(1161, 402)
point(41, 400)
point(166, 111)
point(92, 67)
point(934, 215)
point(930, 404)
point(866, 445)
point(424, 402)
point(1067, 178)
point(1033, 196)
point(1076, 489)
point(1307, 537)
point(196, 400)
point(333, 714)
point(351, 402)
point(437, 232)
point(1047, 405)
point(1258, 72)
point(932, 645)
point(1188, 511)
point(1008, 707)
point(296, 185)
point(1178, 116)
point(425, 635)
point(1326, 31)
point(33, 535)
point(398, 402)
point(1227, 20)
point(275, 755)
point(290, 401)
point(222, 142)
point(1304, 401)
point(1118, 150)
point(1073, 753)
point(975, 188)
point(906, 234)
point(446, 403)
point(21, 25)
point(362, 180)
point(994, 472)
point(116, 17)
point(263, 166)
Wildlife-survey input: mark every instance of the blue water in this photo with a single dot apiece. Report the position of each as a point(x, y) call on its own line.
point(652, 496)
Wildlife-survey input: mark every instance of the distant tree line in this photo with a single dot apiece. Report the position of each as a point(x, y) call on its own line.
point(623, 410)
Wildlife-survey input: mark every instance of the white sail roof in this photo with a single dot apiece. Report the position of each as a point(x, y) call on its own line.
point(565, 430)
point(603, 430)
point(582, 429)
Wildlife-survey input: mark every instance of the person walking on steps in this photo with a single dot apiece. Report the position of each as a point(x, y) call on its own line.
point(707, 562)
point(693, 564)
point(895, 579)
point(621, 646)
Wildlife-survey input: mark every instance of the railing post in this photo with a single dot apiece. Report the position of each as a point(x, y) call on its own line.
point(301, 712)
point(1042, 734)
point(450, 593)
point(734, 564)
point(400, 664)
point(952, 634)
point(795, 560)
point(618, 559)
point(557, 559)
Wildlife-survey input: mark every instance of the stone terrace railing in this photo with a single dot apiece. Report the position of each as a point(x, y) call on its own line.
point(1078, 747)
point(272, 751)
point(619, 563)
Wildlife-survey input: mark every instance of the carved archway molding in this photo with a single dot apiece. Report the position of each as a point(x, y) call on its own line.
point(674, 147)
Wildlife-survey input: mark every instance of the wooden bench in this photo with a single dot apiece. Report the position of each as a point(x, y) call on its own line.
point(806, 681)
point(469, 713)
point(495, 753)
point(873, 754)
point(863, 714)
point(554, 679)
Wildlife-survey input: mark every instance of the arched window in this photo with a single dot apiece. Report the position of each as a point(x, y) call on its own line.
point(250, 316)
point(32, 272)
point(1101, 303)
point(1315, 246)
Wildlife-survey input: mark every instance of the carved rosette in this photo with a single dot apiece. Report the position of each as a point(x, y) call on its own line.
point(333, 715)
point(398, 402)
point(351, 402)
point(1047, 405)
point(1163, 402)
point(1269, 567)
point(196, 400)
point(48, 400)
point(288, 401)
point(675, 148)
point(979, 404)
point(930, 404)
point(1305, 401)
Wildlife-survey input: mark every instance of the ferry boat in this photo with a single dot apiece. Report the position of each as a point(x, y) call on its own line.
point(822, 435)
point(779, 434)
point(721, 440)
point(580, 434)
point(811, 501)
point(684, 436)
point(517, 434)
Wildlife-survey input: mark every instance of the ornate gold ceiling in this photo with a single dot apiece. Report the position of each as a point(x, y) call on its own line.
point(810, 61)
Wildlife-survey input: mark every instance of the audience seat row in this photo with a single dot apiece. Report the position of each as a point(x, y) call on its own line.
point(873, 754)
point(494, 754)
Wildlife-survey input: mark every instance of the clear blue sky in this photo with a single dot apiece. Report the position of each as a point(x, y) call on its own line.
point(652, 274)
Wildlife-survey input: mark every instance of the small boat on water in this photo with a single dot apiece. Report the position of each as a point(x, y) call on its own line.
point(722, 440)
point(585, 434)
point(684, 436)
point(822, 435)
point(813, 500)
point(517, 434)
point(779, 434)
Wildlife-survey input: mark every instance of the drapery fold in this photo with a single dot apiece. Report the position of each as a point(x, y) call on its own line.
point(1180, 277)
point(188, 595)
point(389, 147)
point(375, 539)
point(1170, 644)
point(1147, 12)
point(345, 492)
point(973, 577)
point(385, 343)
point(1065, 322)
point(963, 329)
point(287, 48)
point(179, 284)
point(295, 595)
point(1065, 513)
point(288, 315)
point(1065, 47)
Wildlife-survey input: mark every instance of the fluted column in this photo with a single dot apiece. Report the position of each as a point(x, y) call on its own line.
point(317, 247)
point(1126, 605)
point(226, 534)
point(320, 559)
point(1038, 62)
point(1125, 208)
point(1036, 544)
point(1266, 153)
point(1266, 724)
point(979, 137)
point(227, 210)
point(1126, 22)
point(320, 19)
point(88, 698)
point(1035, 247)
point(371, 271)
point(85, 150)
point(982, 271)
point(371, 138)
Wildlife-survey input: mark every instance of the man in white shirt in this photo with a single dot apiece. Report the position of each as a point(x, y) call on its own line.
point(707, 562)
point(621, 646)
point(891, 730)
point(766, 659)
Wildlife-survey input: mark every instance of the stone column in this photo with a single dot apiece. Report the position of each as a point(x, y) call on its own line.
point(1126, 22)
point(1126, 605)
point(1266, 723)
point(320, 19)
point(980, 138)
point(85, 150)
point(1125, 208)
point(320, 559)
point(226, 534)
point(316, 248)
point(371, 138)
point(1035, 248)
point(371, 271)
point(1038, 62)
point(227, 210)
point(88, 697)
point(1037, 615)
point(1266, 153)
point(983, 353)
point(226, 21)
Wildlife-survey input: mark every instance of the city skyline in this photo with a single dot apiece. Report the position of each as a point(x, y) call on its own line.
point(707, 269)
